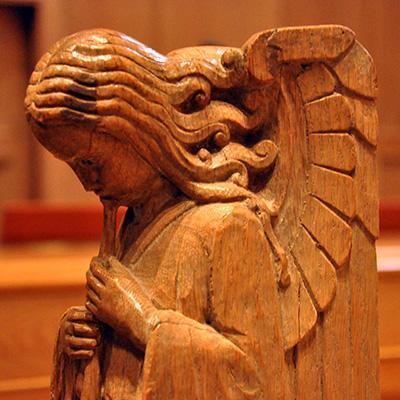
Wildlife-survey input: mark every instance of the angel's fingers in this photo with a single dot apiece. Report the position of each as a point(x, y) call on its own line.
point(83, 330)
point(99, 271)
point(91, 307)
point(69, 329)
point(92, 296)
point(100, 260)
point(78, 343)
point(80, 354)
point(94, 283)
point(81, 314)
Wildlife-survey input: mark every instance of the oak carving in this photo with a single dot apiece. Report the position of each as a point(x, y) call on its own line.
point(245, 264)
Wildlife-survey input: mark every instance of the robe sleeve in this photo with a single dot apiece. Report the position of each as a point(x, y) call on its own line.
point(226, 358)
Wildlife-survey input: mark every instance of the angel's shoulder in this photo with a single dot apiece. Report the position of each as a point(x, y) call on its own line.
point(220, 218)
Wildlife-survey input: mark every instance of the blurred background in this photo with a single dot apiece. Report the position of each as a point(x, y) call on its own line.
point(49, 225)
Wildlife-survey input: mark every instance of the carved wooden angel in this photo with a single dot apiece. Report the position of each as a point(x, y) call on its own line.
point(245, 264)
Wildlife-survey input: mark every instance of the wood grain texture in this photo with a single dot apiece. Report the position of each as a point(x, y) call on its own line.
point(363, 303)
point(333, 234)
point(316, 82)
point(299, 313)
point(366, 182)
point(309, 364)
point(315, 268)
point(337, 362)
point(329, 114)
point(242, 171)
point(312, 43)
point(321, 182)
point(356, 71)
point(333, 150)
point(365, 119)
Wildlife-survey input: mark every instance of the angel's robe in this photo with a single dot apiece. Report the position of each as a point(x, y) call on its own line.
point(209, 271)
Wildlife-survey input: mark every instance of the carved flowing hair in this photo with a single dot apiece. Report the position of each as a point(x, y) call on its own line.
point(201, 122)
point(188, 118)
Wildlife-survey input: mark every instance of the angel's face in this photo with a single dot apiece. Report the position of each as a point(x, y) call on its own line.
point(107, 167)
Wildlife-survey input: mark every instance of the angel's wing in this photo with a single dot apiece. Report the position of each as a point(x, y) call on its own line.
point(326, 133)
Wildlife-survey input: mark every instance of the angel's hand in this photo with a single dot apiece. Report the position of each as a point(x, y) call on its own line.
point(79, 333)
point(116, 298)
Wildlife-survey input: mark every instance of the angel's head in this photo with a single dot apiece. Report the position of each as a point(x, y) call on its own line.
point(107, 106)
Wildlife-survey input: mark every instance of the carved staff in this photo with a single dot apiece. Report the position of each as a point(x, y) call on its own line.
point(91, 384)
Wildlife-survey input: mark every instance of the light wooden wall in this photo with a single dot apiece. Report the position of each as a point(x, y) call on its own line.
point(14, 139)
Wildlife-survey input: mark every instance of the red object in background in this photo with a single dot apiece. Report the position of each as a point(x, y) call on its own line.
point(38, 221)
point(389, 216)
